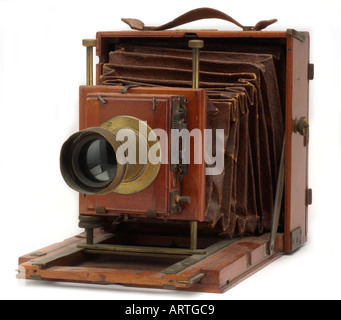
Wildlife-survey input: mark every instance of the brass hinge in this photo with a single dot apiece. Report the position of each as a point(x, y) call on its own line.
point(311, 71)
point(309, 197)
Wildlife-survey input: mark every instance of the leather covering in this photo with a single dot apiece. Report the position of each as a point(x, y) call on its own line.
point(244, 100)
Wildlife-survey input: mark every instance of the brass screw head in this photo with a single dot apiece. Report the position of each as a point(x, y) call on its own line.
point(89, 42)
point(196, 44)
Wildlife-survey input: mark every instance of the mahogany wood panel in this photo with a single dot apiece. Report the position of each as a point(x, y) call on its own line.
point(156, 196)
point(296, 166)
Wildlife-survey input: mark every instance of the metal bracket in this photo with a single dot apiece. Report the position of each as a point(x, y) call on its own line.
point(177, 200)
point(298, 35)
point(179, 113)
point(295, 239)
point(38, 254)
point(179, 122)
point(195, 258)
point(311, 71)
point(309, 197)
point(193, 279)
point(174, 205)
point(101, 100)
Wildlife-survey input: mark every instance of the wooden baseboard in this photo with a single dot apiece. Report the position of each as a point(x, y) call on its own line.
point(216, 269)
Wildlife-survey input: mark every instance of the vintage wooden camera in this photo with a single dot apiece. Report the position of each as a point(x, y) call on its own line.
point(191, 159)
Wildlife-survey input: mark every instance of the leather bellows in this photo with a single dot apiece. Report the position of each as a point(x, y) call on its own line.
point(243, 93)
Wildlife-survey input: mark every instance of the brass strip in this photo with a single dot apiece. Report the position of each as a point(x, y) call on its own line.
point(194, 279)
point(188, 262)
point(139, 254)
point(44, 262)
point(49, 259)
point(140, 249)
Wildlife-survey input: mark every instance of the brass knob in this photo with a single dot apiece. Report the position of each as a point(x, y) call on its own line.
point(89, 42)
point(301, 126)
point(196, 44)
point(183, 199)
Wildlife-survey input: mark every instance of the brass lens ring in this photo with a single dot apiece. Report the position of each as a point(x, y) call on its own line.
point(141, 175)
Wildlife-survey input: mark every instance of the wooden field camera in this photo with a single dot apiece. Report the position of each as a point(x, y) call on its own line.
point(191, 159)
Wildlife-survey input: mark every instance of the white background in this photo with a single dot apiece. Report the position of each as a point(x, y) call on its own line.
point(42, 64)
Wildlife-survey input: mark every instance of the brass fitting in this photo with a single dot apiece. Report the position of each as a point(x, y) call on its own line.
point(89, 44)
point(92, 161)
point(195, 45)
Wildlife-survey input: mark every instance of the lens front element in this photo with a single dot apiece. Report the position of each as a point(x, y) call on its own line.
point(97, 160)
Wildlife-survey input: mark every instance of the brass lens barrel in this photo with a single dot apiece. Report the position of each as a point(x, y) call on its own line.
point(96, 160)
point(73, 170)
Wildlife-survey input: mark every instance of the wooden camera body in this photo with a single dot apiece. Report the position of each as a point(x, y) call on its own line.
point(179, 224)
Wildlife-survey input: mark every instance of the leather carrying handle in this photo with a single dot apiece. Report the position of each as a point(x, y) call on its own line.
point(194, 15)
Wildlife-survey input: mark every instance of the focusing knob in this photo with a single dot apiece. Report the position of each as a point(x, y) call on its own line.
point(196, 44)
